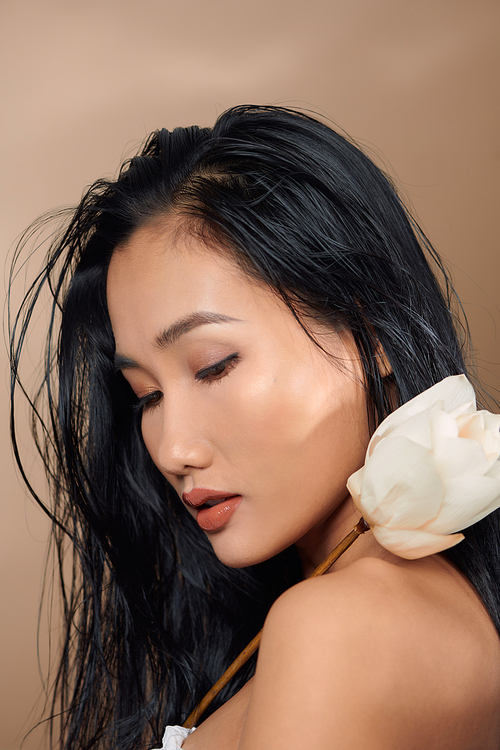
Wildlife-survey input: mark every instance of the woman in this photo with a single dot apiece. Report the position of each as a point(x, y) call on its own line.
point(233, 318)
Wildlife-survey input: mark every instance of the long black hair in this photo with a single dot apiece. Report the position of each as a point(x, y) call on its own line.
point(152, 618)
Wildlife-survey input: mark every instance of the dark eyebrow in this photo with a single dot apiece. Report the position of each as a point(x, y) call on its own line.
point(168, 336)
point(123, 363)
point(188, 323)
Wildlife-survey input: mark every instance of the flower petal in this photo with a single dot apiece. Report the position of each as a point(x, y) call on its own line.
point(355, 483)
point(412, 544)
point(409, 493)
point(459, 457)
point(417, 428)
point(467, 500)
point(432, 468)
point(471, 426)
point(494, 470)
point(491, 443)
point(441, 426)
point(484, 428)
point(453, 392)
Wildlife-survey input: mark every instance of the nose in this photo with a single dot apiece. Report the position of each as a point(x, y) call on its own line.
point(182, 455)
point(181, 447)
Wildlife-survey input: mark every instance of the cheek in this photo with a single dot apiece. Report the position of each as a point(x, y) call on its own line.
point(302, 420)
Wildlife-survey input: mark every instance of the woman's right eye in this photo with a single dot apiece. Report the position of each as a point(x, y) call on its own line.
point(147, 402)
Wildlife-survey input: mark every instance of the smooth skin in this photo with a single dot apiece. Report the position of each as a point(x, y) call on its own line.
point(247, 404)
point(378, 653)
point(376, 656)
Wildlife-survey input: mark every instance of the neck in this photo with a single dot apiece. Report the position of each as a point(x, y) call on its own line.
point(319, 541)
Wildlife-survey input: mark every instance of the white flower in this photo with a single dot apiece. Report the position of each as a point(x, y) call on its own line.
point(174, 736)
point(432, 468)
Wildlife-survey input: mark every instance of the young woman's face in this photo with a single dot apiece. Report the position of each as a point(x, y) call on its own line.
point(250, 422)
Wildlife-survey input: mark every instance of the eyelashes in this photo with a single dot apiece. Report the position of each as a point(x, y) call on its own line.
point(207, 375)
point(147, 402)
point(219, 370)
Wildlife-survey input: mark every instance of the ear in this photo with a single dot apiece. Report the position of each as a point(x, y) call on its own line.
point(384, 366)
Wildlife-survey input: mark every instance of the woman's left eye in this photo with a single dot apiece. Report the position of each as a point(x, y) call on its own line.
point(218, 370)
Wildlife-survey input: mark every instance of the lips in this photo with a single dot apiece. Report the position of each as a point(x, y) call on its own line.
point(200, 496)
point(214, 508)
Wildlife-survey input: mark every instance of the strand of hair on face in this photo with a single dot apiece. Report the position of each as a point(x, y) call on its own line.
point(247, 652)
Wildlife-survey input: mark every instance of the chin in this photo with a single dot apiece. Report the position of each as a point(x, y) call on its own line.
point(242, 555)
point(239, 560)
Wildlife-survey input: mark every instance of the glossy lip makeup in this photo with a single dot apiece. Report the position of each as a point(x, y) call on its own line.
point(215, 508)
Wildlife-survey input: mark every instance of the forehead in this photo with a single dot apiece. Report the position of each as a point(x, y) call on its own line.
point(162, 258)
point(162, 274)
point(161, 253)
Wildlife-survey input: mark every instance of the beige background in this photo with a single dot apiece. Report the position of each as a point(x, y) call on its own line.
point(84, 82)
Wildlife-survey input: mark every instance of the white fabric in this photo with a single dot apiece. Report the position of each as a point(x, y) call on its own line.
point(174, 737)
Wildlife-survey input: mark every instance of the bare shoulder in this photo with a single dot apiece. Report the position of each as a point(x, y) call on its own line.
point(393, 599)
point(378, 656)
